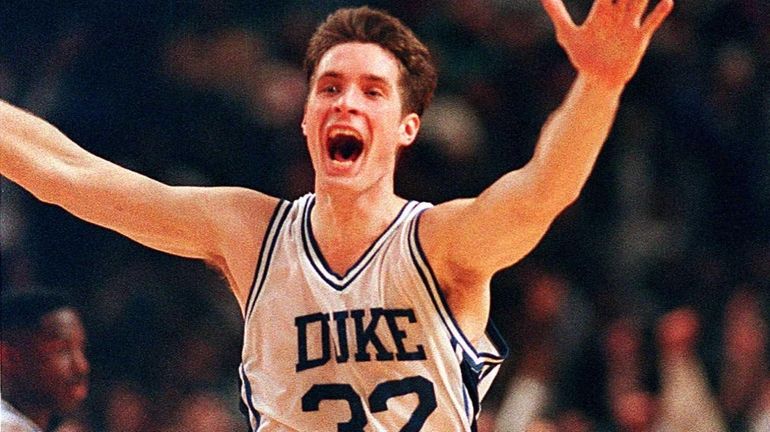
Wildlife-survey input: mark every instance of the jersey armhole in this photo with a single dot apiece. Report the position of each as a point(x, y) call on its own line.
point(492, 349)
point(269, 240)
point(431, 284)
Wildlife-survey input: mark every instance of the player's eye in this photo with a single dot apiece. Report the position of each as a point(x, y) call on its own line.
point(56, 348)
point(374, 93)
point(330, 89)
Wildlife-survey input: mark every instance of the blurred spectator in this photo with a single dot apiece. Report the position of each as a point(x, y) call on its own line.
point(127, 410)
point(675, 215)
point(745, 366)
point(44, 365)
point(686, 401)
point(760, 417)
point(204, 412)
point(552, 327)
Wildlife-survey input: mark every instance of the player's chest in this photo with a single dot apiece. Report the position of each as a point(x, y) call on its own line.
point(370, 319)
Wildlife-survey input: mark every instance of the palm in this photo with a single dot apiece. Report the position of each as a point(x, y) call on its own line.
point(612, 40)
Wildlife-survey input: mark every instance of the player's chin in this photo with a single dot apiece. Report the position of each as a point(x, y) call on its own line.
point(343, 169)
point(73, 397)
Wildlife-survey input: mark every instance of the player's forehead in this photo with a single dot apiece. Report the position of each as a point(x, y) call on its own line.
point(360, 61)
point(62, 324)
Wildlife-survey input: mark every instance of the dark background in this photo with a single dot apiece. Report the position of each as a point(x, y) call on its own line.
point(210, 92)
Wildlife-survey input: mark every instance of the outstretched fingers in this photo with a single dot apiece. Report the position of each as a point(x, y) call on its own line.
point(656, 17)
point(599, 7)
point(635, 9)
point(559, 15)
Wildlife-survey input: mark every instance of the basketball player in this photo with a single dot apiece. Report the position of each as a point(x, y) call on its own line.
point(363, 311)
point(44, 367)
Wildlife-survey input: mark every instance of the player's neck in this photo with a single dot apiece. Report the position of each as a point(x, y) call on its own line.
point(345, 226)
point(355, 214)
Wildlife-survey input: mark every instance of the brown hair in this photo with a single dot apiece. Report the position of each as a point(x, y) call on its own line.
point(418, 74)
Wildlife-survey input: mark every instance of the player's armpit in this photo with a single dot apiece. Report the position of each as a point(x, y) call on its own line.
point(466, 242)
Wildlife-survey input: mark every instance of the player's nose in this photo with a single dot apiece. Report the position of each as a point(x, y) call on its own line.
point(81, 364)
point(349, 101)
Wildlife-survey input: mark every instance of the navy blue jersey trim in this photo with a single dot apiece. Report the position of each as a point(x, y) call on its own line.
point(476, 360)
point(485, 373)
point(490, 357)
point(251, 409)
point(471, 383)
point(426, 284)
point(308, 242)
point(263, 262)
point(262, 250)
point(245, 412)
point(314, 254)
point(497, 339)
point(423, 261)
point(467, 404)
point(491, 360)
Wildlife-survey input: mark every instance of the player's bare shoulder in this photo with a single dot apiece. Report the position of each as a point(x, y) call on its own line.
point(443, 237)
point(438, 225)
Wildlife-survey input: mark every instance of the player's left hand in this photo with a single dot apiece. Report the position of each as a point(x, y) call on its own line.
point(611, 42)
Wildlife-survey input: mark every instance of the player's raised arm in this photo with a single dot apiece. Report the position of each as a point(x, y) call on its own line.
point(475, 238)
point(220, 225)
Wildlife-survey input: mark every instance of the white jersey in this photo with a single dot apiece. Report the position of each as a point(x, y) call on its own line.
point(11, 420)
point(375, 349)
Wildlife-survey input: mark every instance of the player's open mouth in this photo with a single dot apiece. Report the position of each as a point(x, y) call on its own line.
point(345, 145)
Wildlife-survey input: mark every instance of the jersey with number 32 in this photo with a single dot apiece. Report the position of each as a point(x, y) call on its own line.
point(375, 349)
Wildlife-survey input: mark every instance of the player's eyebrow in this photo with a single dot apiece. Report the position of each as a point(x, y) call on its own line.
point(375, 78)
point(367, 77)
point(331, 74)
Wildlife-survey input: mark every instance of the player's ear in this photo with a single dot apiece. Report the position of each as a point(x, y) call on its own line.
point(304, 117)
point(304, 120)
point(407, 131)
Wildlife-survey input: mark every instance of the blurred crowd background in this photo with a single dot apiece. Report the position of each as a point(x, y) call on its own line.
point(645, 308)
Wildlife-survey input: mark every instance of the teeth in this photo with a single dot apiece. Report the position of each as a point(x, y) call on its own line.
point(336, 131)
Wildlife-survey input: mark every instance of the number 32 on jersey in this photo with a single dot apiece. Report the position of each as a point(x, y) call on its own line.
point(377, 401)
